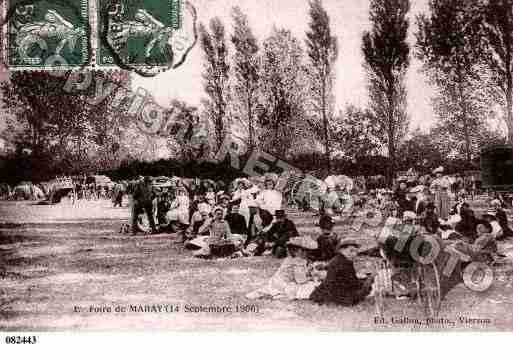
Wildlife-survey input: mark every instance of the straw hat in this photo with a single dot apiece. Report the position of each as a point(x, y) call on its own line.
point(279, 213)
point(490, 213)
point(270, 176)
point(326, 222)
point(223, 196)
point(204, 208)
point(496, 202)
point(218, 209)
point(347, 242)
point(244, 181)
point(417, 189)
point(305, 242)
point(409, 215)
point(438, 170)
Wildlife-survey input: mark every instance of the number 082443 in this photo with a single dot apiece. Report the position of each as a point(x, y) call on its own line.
point(10, 339)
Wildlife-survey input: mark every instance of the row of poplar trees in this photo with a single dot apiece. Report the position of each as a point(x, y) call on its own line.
point(466, 50)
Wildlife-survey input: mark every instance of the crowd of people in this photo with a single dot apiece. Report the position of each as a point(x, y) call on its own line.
point(248, 218)
point(74, 188)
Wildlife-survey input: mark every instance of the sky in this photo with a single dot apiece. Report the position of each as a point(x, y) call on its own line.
point(349, 19)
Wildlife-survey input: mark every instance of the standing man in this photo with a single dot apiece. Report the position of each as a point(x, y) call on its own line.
point(143, 196)
point(439, 187)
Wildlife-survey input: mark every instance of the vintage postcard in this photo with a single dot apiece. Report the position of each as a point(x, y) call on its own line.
point(256, 165)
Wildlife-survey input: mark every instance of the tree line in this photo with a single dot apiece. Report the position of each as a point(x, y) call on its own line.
point(277, 95)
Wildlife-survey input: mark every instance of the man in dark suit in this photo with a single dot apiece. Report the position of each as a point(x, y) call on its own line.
point(341, 285)
point(236, 221)
point(279, 233)
point(142, 202)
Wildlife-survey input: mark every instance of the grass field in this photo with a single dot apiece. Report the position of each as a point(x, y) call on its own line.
point(65, 266)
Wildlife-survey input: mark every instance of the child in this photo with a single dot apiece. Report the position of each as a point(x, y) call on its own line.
point(341, 285)
point(293, 279)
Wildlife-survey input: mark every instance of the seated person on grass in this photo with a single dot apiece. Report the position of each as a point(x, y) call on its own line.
point(220, 242)
point(224, 203)
point(482, 249)
point(502, 218)
point(200, 224)
point(236, 221)
point(467, 226)
point(274, 237)
point(497, 231)
point(327, 242)
point(341, 285)
point(293, 279)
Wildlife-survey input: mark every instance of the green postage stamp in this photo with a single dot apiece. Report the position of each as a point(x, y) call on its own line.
point(47, 33)
point(136, 32)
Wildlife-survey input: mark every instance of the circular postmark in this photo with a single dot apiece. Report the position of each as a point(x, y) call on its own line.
point(146, 37)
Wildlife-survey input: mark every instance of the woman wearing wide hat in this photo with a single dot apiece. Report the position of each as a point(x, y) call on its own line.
point(440, 186)
point(293, 278)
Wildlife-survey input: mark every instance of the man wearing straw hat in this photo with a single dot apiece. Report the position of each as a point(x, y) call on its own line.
point(341, 285)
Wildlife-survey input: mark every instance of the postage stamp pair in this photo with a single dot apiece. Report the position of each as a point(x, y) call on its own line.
point(78, 33)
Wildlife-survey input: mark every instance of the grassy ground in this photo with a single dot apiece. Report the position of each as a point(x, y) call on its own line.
point(65, 266)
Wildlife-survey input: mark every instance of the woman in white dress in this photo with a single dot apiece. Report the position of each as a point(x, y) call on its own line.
point(245, 192)
point(270, 199)
point(179, 211)
point(294, 278)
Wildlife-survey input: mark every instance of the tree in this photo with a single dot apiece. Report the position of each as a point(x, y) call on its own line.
point(215, 76)
point(498, 32)
point(450, 44)
point(61, 129)
point(185, 147)
point(322, 51)
point(246, 70)
point(420, 152)
point(386, 60)
point(282, 90)
point(448, 137)
point(355, 133)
